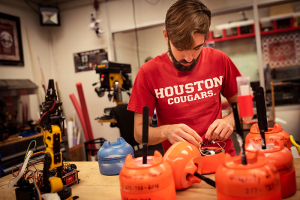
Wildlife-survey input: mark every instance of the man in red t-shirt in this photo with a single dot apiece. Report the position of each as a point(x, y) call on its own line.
point(185, 83)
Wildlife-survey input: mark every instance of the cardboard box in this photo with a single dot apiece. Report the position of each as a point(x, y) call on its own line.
point(77, 153)
point(281, 9)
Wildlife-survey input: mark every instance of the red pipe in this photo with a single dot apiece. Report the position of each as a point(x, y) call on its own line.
point(80, 115)
point(85, 111)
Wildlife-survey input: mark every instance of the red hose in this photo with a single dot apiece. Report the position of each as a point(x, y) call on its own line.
point(80, 115)
point(84, 110)
point(47, 112)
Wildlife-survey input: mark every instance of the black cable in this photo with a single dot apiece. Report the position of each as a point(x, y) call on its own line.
point(205, 179)
point(31, 7)
point(136, 36)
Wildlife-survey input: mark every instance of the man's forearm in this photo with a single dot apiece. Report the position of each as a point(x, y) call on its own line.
point(230, 118)
point(156, 134)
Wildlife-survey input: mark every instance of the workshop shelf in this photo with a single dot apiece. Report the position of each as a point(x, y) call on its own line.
point(239, 35)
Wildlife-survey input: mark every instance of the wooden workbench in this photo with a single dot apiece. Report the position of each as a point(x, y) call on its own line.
point(15, 139)
point(93, 185)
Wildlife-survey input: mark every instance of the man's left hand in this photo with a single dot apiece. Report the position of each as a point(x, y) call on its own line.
point(220, 129)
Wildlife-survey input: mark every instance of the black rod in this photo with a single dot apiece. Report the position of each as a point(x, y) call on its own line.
point(145, 133)
point(265, 120)
point(239, 131)
point(260, 118)
point(205, 179)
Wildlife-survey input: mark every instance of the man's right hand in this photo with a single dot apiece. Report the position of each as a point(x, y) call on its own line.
point(173, 133)
point(181, 132)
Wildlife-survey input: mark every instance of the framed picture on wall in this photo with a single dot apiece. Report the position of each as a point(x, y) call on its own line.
point(89, 60)
point(11, 51)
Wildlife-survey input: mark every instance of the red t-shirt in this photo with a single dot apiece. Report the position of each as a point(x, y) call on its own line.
point(192, 98)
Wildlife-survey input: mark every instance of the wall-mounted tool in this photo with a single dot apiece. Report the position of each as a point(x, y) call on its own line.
point(114, 78)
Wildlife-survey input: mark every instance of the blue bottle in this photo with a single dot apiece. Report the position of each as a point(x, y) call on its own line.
point(111, 156)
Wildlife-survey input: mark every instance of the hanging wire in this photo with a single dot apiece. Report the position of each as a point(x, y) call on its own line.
point(28, 148)
point(136, 36)
point(31, 7)
point(35, 184)
point(205, 152)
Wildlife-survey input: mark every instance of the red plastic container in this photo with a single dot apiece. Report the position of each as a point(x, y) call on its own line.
point(283, 160)
point(153, 180)
point(211, 163)
point(258, 180)
point(272, 134)
point(185, 159)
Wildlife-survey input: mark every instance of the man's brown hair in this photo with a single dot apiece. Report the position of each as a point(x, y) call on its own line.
point(185, 18)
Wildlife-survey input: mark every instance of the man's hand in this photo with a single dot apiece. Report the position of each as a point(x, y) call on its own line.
point(220, 129)
point(173, 133)
point(181, 132)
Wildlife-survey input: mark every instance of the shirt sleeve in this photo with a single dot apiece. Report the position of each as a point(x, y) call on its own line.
point(229, 87)
point(141, 94)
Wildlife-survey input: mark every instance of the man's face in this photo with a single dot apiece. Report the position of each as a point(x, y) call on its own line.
point(186, 60)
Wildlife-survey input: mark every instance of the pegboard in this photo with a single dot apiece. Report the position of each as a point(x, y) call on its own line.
point(281, 50)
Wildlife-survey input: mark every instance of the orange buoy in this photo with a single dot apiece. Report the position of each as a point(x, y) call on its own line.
point(210, 163)
point(283, 160)
point(271, 135)
point(185, 159)
point(258, 179)
point(153, 180)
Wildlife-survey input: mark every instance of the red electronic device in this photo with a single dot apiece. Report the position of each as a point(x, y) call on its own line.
point(273, 133)
point(282, 159)
point(257, 180)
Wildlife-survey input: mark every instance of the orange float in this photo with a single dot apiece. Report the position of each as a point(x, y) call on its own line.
point(282, 159)
point(210, 163)
point(257, 180)
point(147, 181)
point(271, 135)
point(185, 159)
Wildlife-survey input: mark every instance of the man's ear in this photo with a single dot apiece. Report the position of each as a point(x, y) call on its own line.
point(165, 34)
